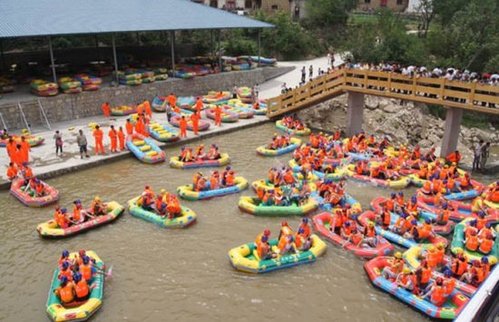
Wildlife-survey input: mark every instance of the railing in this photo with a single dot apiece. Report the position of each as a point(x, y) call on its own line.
point(439, 91)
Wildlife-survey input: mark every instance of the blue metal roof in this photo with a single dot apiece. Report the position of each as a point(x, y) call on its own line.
point(21, 18)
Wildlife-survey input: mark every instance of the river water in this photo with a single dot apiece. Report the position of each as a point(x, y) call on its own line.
point(185, 275)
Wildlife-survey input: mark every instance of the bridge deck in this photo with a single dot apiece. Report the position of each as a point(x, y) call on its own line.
point(439, 91)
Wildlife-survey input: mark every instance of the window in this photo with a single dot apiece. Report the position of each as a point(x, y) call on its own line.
point(214, 3)
point(247, 4)
point(400, 2)
point(367, 1)
point(275, 7)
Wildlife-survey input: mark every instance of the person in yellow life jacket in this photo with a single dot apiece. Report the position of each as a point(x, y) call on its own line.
point(97, 207)
point(82, 290)
point(214, 180)
point(286, 245)
point(437, 293)
point(65, 292)
point(471, 241)
point(459, 265)
point(477, 204)
point(306, 227)
point(486, 244)
point(185, 154)
point(65, 271)
point(440, 254)
point(397, 264)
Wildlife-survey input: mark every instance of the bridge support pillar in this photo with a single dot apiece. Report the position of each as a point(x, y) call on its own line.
point(355, 113)
point(452, 129)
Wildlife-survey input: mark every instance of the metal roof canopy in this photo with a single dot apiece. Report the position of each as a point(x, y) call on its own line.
point(29, 18)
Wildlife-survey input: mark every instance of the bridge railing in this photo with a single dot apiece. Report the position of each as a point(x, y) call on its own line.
point(466, 95)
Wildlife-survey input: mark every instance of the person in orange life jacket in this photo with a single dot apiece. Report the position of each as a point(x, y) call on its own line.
point(82, 290)
point(224, 175)
point(121, 139)
point(97, 207)
point(258, 238)
point(285, 229)
point(12, 171)
point(412, 229)
point(485, 266)
point(306, 227)
point(449, 283)
point(286, 245)
point(215, 180)
point(65, 271)
point(487, 231)
point(64, 257)
point(470, 227)
point(77, 217)
point(129, 127)
point(201, 184)
point(391, 271)
point(481, 221)
point(336, 222)
point(302, 243)
point(200, 154)
point(471, 241)
point(183, 126)
point(65, 292)
point(423, 274)
point(436, 293)
point(406, 279)
point(87, 270)
point(385, 218)
point(465, 183)
point(486, 244)
point(477, 273)
point(160, 205)
point(263, 249)
point(370, 234)
point(459, 265)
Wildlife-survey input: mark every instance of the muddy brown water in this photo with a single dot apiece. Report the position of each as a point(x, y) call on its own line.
point(185, 275)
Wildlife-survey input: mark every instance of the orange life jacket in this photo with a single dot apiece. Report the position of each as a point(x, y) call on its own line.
point(458, 267)
point(437, 295)
point(66, 293)
point(472, 243)
point(81, 288)
point(86, 271)
point(486, 245)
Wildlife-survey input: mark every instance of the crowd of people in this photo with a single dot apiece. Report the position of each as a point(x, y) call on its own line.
point(292, 122)
point(288, 241)
point(76, 276)
point(216, 180)
point(187, 154)
point(164, 204)
point(79, 215)
point(279, 142)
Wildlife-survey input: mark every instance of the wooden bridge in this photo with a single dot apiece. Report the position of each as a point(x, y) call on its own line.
point(456, 96)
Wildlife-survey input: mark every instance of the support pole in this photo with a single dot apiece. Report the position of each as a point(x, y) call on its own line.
point(172, 43)
point(97, 48)
point(220, 51)
point(452, 128)
point(212, 52)
point(259, 47)
point(2, 55)
point(115, 57)
point(52, 62)
point(355, 113)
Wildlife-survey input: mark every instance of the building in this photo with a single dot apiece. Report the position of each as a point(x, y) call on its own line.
point(371, 5)
point(295, 7)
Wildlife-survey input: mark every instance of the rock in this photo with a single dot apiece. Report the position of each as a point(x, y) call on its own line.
point(434, 139)
point(425, 144)
point(391, 108)
point(372, 102)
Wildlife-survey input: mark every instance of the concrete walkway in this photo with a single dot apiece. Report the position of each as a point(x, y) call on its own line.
point(46, 164)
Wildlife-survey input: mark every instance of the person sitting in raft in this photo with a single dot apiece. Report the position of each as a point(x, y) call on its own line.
point(64, 258)
point(286, 245)
point(301, 242)
point(285, 230)
point(97, 207)
point(200, 183)
point(215, 180)
point(60, 217)
point(160, 206)
point(391, 271)
point(81, 287)
point(259, 237)
point(465, 183)
point(337, 222)
point(12, 171)
point(471, 241)
point(228, 178)
point(65, 271)
point(453, 157)
point(492, 192)
point(65, 292)
point(185, 154)
point(423, 276)
point(487, 232)
point(407, 279)
point(213, 153)
point(370, 234)
point(78, 215)
point(436, 294)
point(200, 154)
point(263, 249)
point(306, 227)
point(459, 265)
point(146, 200)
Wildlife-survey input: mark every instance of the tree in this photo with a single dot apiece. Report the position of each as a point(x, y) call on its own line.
point(426, 14)
point(328, 13)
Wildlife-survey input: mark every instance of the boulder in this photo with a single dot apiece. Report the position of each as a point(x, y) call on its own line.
point(391, 108)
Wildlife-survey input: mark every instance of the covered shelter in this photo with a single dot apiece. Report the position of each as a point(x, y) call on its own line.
point(49, 18)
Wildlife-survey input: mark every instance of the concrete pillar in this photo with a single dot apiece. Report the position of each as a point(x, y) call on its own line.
point(355, 113)
point(452, 129)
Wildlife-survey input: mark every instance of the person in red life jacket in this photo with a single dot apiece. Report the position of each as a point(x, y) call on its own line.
point(397, 264)
point(65, 292)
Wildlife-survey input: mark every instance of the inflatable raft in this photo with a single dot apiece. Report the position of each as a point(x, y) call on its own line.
point(187, 217)
point(144, 149)
point(51, 229)
point(163, 132)
point(186, 102)
point(266, 185)
point(33, 140)
point(367, 216)
point(282, 127)
point(458, 243)
point(187, 192)
point(445, 230)
point(346, 201)
point(337, 175)
point(400, 183)
point(449, 310)
point(228, 116)
point(252, 205)
point(294, 143)
point(244, 94)
point(468, 194)
point(216, 97)
point(123, 110)
point(158, 104)
point(51, 196)
point(241, 111)
point(322, 224)
point(245, 257)
point(177, 164)
point(459, 210)
point(203, 124)
point(77, 311)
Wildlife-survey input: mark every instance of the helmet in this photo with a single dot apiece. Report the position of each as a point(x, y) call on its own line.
point(401, 193)
point(427, 221)
point(264, 238)
point(65, 253)
point(266, 232)
point(284, 223)
point(65, 265)
point(86, 259)
point(481, 214)
point(147, 187)
point(77, 277)
point(64, 210)
point(406, 270)
point(485, 260)
point(301, 231)
point(440, 245)
point(162, 191)
point(64, 279)
point(414, 199)
point(432, 248)
point(371, 224)
point(304, 220)
point(414, 222)
point(393, 195)
point(97, 198)
point(398, 255)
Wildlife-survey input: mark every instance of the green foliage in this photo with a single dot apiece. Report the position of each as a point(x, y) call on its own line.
point(328, 13)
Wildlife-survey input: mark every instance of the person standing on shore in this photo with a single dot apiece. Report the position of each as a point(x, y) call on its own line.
point(81, 140)
point(25, 149)
point(234, 92)
point(106, 109)
point(121, 138)
point(183, 127)
point(58, 142)
point(98, 136)
point(477, 153)
point(484, 155)
point(113, 136)
point(310, 72)
point(303, 75)
point(129, 127)
point(256, 90)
